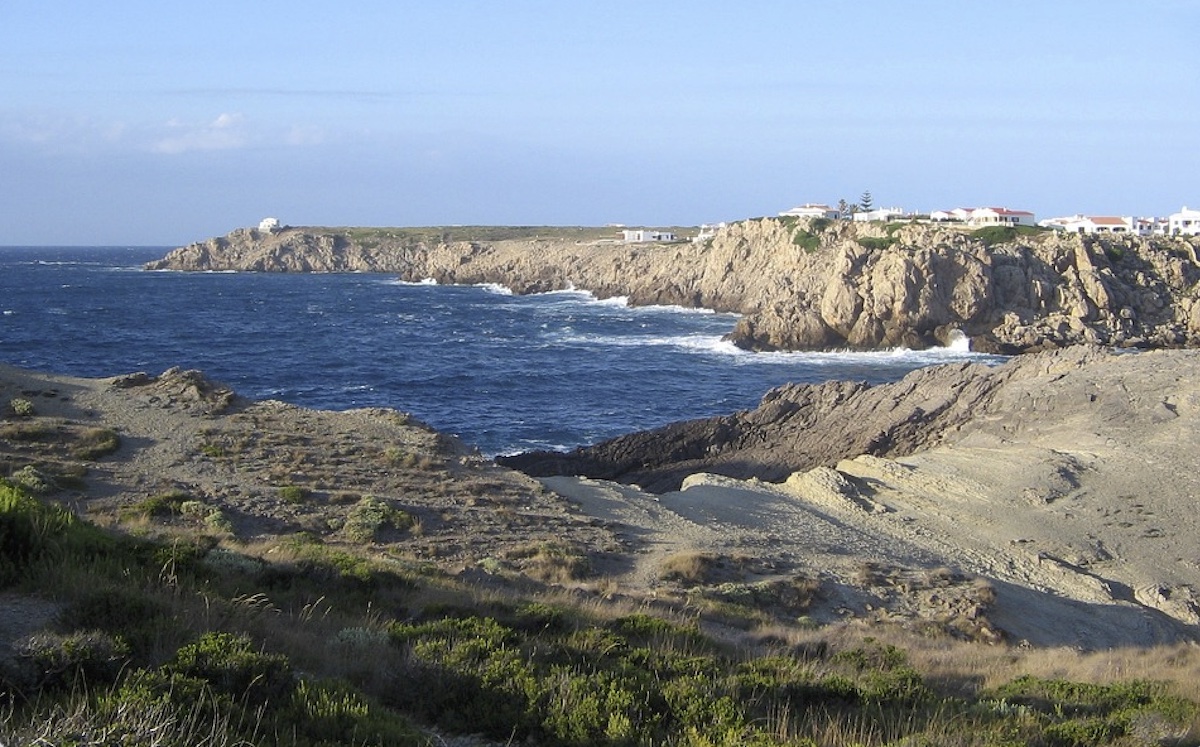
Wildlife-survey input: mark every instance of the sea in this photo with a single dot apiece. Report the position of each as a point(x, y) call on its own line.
point(504, 373)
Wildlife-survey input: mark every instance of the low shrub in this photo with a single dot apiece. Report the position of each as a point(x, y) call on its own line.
point(33, 480)
point(21, 407)
point(84, 658)
point(876, 243)
point(370, 516)
point(292, 494)
point(806, 240)
point(95, 443)
point(230, 665)
point(29, 531)
point(689, 568)
point(159, 506)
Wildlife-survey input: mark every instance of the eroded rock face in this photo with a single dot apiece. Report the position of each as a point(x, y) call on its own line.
point(798, 427)
point(864, 286)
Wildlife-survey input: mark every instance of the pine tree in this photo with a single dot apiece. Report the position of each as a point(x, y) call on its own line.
point(866, 202)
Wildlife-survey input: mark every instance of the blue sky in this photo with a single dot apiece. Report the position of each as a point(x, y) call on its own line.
point(154, 123)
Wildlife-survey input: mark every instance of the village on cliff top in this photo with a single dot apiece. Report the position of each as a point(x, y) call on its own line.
point(1186, 222)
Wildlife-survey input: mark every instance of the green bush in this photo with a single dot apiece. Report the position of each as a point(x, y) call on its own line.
point(806, 240)
point(231, 666)
point(29, 531)
point(292, 494)
point(370, 516)
point(84, 658)
point(876, 243)
point(21, 407)
point(160, 506)
point(138, 617)
point(334, 713)
point(33, 480)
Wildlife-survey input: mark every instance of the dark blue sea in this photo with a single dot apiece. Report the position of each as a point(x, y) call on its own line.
point(505, 373)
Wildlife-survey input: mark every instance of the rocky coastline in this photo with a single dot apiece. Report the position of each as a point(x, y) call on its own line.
point(798, 284)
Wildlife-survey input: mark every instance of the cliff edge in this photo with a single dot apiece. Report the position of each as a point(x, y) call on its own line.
point(799, 284)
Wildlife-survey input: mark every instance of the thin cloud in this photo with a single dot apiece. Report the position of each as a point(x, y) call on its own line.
point(223, 133)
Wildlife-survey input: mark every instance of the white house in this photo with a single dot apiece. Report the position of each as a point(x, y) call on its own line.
point(957, 214)
point(268, 225)
point(812, 210)
point(998, 216)
point(1100, 224)
point(707, 231)
point(641, 235)
point(1186, 223)
point(883, 214)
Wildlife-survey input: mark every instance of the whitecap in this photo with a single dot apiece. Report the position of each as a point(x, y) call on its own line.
point(496, 288)
point(423, 281)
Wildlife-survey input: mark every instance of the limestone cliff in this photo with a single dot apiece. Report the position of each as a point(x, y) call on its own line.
point(799, 285)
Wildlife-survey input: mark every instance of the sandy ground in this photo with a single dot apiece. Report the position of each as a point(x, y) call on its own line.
point(1063, 515)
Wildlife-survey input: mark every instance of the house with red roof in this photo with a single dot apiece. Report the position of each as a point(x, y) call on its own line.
point(1000, 216)
point(1102, 224)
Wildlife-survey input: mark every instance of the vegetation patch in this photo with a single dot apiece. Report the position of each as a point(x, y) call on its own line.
point(95, 443)
point(552, 562)
point(161, 506)
point(292, 494)
point(21, 407)
point(877, 243)
point(992, 235)
point(371, 516)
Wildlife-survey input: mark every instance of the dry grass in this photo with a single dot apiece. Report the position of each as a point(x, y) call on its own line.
point(689, 568)
point(964, 667)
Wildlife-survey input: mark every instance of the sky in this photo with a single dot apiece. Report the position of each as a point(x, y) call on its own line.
point(137, 122)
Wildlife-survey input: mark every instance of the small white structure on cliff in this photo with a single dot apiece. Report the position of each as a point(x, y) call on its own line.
point(268, 225)
point(881, 214)
point(988, 216)
point(957, 214)
point(1092, 224)
point(811, 210)
point(1184, 223)
point(999, 216)
point(640, 235)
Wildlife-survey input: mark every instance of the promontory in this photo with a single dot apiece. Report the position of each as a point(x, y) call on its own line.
point(799, 284)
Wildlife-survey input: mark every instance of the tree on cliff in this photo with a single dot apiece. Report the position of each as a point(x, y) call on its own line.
point(845, 209)
point(866, 202)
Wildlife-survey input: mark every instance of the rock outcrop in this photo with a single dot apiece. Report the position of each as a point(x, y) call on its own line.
point(803, 285)
point(798, 427)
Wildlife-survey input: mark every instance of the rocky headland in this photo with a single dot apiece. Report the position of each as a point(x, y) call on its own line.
point(798, 284)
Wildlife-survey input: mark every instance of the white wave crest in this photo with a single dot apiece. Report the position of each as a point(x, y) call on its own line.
point(496, 288)
point(423, 281)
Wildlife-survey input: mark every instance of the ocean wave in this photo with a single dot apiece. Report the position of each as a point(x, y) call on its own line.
point(495, 288)
point(398, 281)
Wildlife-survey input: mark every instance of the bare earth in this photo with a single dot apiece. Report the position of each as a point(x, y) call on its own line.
point(1064, 513)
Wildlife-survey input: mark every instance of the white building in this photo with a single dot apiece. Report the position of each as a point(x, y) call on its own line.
point(882, 214)
point(1100, 224)
point(998, 216)
point(1184, 223)
point(707, 231)
point(811, 210)
point(1106, 224)
point(268, 225)
point(960, 215)
point(641, 235)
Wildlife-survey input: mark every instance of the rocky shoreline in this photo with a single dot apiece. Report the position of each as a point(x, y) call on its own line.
point(1049, 500)
point(799, 285)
